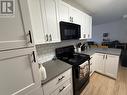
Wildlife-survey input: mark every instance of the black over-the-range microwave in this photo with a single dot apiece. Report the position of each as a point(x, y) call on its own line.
point(69, 31)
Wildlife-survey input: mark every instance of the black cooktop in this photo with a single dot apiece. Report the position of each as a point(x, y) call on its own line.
point(68, 55)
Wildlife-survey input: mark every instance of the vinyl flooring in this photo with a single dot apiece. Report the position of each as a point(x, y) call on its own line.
point(102, 85)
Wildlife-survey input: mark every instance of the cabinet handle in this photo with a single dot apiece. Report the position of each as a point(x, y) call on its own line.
point(61, 89)
point(30, 36)
point(34, 58)
point(50, 36)
point(46, 37)
point(70, 19)
point(91, 63)
point(88, 35)
point(59, 79)
point(84, 35)
point(103, 56)
point(106, 57)
point(91, 58)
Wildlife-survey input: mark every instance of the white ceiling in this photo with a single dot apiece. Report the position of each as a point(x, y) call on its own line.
point(104, 11)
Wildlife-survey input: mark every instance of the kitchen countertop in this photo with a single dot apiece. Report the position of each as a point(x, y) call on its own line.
point(111, 51)
point(57, 67)
point(54, 68)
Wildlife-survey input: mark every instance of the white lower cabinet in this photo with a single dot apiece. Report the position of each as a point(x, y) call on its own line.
point(37, 91)
point(64, 89)
point(19, 72)
point(61, 85)
point(92, 63)
point(106, 64)
point(100, 63)
point(111, 65)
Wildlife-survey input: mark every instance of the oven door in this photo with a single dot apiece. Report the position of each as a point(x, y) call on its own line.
point(81, 76)
point(84, 70)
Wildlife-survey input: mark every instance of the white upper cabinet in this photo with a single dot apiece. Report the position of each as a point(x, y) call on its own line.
point(16, 31)
point(70, 14)
point(64, 12)
point(51, 20)
point(36, 21)
point(75, 15)
point(86, 28)
point(19, 72)
point(45, 23)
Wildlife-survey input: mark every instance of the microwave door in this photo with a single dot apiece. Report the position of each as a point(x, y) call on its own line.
point(69, 31)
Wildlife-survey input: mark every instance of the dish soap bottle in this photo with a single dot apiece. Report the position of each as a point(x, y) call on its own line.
point(42, 72)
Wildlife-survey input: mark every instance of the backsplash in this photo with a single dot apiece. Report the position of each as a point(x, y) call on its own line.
point(47, 51)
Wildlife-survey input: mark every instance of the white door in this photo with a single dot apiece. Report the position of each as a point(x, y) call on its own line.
point(100, 62)
point(51, 22)
point(37, 21)
point(64, 12)
point(111, 65)
point(19, 72)
point(16, 32)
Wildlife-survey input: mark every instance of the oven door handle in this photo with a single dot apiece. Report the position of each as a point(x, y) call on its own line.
point(77, 72)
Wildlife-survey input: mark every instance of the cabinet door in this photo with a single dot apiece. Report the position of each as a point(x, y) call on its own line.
point(64, 12)
point(67, 91)
point(37, 91)
point(16, 32)
point(111, 65)
point(63, 90)
point(51, 20)
point(86, 26)
point(76, 15)
point(19, 73)
point(37, 21)
point(90, 27)
point(100, 63)
point(93, 62)
point(83, 26)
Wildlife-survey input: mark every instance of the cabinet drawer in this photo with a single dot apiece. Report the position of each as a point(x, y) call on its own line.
point(55, 83)
point(61, 90)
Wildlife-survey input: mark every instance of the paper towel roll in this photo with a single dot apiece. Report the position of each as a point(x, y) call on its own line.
point(42, 72)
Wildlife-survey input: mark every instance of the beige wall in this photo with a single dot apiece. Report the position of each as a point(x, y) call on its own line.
point(117, 31)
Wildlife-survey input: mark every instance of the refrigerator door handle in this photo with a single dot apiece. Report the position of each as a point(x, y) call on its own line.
point(34, 58)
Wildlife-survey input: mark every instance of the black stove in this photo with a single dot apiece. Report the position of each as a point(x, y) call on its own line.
point(80, 66)
point(76, 59)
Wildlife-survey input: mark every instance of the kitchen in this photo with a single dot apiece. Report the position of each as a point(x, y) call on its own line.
point(63, 47)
